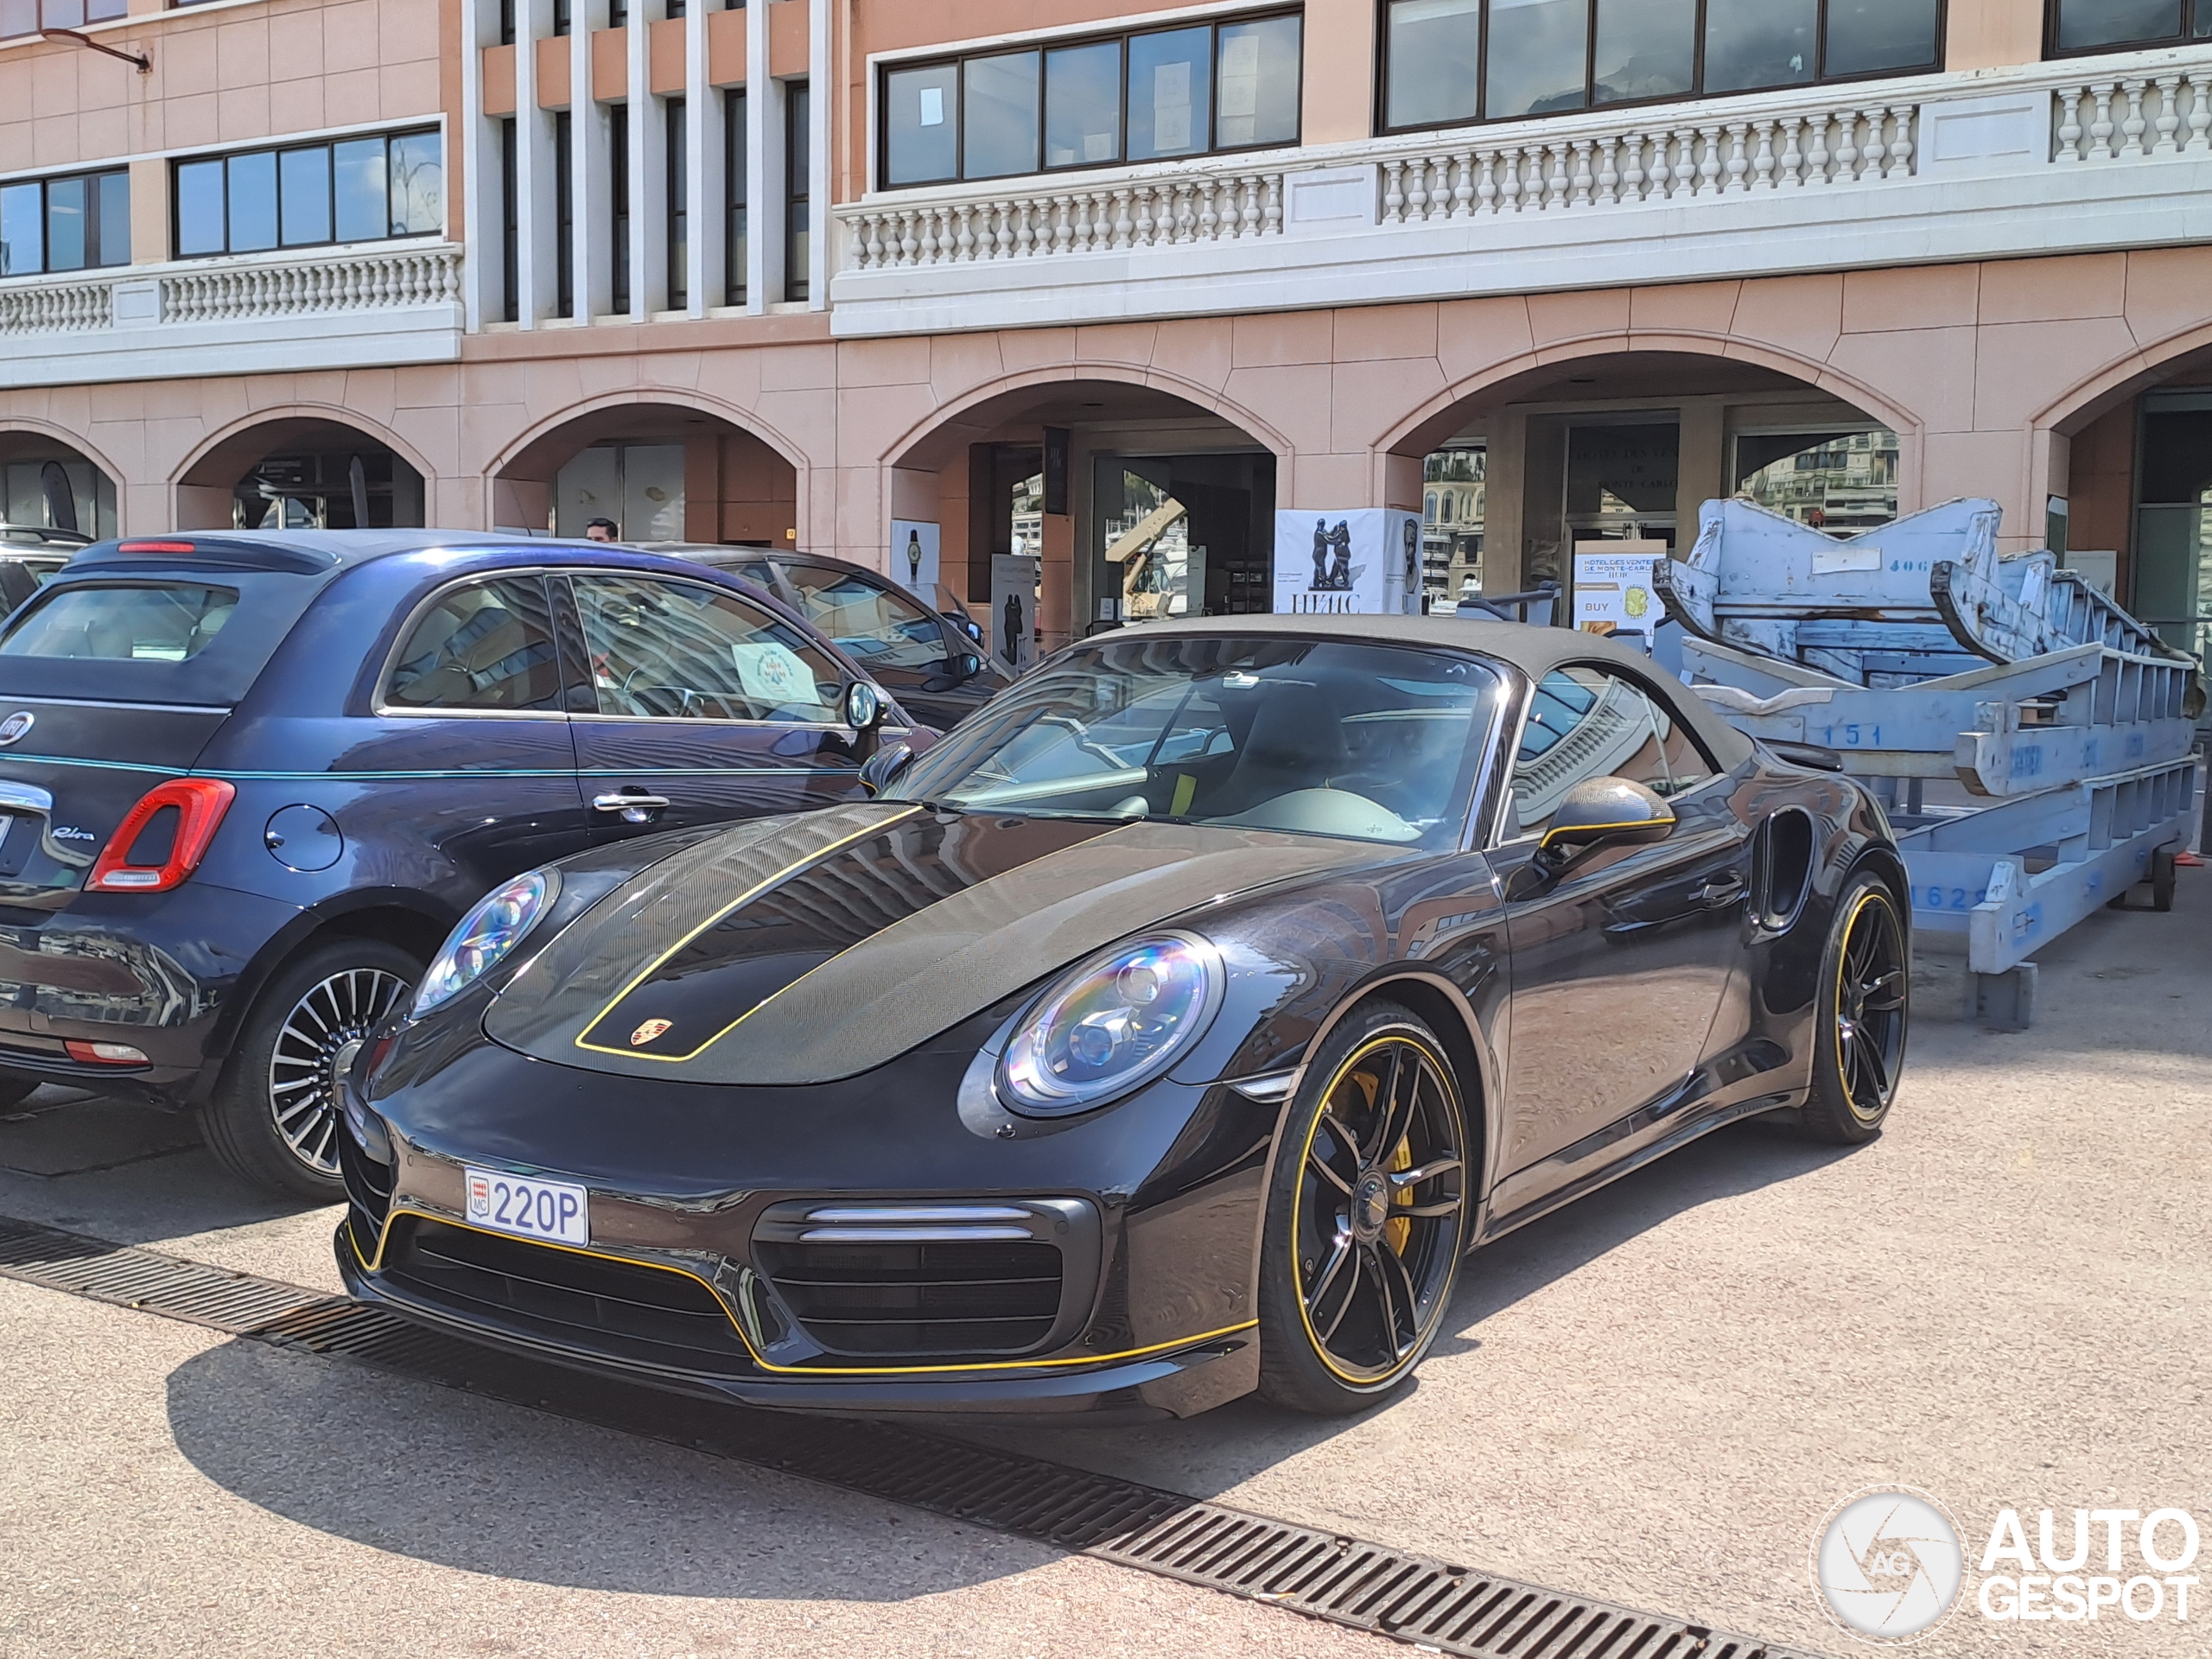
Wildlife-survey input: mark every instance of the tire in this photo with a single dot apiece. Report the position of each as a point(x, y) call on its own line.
point(15, 1090)
point(1865, 1008)
point(273, 1118)
point(1339, 1205)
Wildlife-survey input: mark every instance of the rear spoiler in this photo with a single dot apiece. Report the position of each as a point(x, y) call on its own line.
point(205, 553)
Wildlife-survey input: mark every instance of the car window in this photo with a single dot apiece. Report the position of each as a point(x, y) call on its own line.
point(488, 645)
point(1585, 722)
point(877, 626)
point(680, 650)
point(151, 622)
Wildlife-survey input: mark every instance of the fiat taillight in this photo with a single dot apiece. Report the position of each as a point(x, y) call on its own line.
point(173, 849)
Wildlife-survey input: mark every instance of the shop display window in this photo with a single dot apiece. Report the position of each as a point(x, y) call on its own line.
point(351, 190)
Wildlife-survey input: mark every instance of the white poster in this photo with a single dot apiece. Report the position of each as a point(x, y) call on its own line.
point(1366, 561)
point(1613, 593)
point(1014, 609)
point(914, 557)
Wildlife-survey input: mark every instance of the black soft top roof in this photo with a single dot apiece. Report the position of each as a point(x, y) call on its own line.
point(1535, 651)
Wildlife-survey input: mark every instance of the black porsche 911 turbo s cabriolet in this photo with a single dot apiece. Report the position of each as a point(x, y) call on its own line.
point(1172, 1030)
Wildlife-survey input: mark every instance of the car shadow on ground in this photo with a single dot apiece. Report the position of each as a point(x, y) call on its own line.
point(1210, 1455)
point(435, 1475)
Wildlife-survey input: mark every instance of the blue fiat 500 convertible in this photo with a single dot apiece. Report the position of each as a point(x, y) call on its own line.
point(248, 781)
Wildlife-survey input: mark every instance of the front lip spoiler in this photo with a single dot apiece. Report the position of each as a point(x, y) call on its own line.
point(1107, 1390)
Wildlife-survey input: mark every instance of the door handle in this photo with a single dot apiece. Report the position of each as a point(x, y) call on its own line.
point(635, 808)
point(1715, 894)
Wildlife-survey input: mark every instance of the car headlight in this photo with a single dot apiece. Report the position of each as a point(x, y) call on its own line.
point(1110, 1024)
point(485, 937)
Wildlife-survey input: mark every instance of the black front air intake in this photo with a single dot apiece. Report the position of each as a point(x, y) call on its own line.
point(929, 1279)
point(622, 1311)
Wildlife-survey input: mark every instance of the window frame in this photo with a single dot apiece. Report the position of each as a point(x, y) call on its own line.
point(798, 185)
point(1380, 113)
point(1044, 46)
point(676, 216)
point(1513, 731)
point(750, 606)
point(95, 189)
point(737, 196)
point(328, 144)
point(2192, 12)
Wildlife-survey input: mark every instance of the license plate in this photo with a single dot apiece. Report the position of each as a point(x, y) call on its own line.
point(528, 1208)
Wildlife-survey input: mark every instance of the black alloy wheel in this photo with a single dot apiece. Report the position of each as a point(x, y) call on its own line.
point(1368, 1216)
point(1866, 984)
point(275, 1117)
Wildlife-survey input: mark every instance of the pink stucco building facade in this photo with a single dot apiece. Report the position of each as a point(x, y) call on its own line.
point(684, 270)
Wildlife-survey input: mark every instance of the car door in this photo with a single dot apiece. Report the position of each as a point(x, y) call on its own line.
point(1621, 960)
point(704, 707)
point(472, 740)
point(913, 652)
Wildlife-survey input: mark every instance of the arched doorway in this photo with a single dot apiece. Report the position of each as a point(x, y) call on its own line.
point(1090, 504)
point(1623, 448)
point(51, 485)
point(300, 472)
point(658, 473)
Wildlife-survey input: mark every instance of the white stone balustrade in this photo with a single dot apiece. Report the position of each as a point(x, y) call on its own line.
point(57, 308)
point(2133, 118)
point(257, 313)
point(1055, 215)
point(345, 283)
point(1648, 160)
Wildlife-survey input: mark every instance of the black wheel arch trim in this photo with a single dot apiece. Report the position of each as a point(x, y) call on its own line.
point(297, 936)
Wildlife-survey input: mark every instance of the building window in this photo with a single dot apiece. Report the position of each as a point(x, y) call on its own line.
point(618, 200)
point(679, 212)
point(20, 18)
point(617, 13)
point(75, 224)
point(1451, 524)
point(674, 10)
point(1451, 61)
point(564, 215)
point(353, 190)
point(2102, 25)
point(795, 174)
point(506, 22)
point(560, 16)
point(1232, 85)
point(509, 224)
point(735, 152)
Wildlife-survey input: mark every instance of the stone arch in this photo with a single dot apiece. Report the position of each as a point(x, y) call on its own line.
point(96, 493)
point(741, 480)
point(205, 484)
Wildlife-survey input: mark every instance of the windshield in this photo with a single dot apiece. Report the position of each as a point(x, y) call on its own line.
point(1315, 737)
point(169, 622)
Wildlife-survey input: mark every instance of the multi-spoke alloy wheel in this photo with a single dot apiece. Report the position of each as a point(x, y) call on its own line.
point(275, 1117)
point(1368, 1217)
point(1866, 984)
point(315, 1046)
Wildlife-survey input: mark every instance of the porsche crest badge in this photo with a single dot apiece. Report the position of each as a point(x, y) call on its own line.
point(647, 1032)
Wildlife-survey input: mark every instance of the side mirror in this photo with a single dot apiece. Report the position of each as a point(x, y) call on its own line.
point(967, 665)
point(864, 706)
point(883, 768)
point(1604, 812)
point(967, 624)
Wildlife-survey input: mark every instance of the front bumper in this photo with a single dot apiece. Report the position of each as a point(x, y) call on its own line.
point(1177, 1380)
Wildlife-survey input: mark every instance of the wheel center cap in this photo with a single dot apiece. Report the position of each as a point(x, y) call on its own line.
point(1370, 1203)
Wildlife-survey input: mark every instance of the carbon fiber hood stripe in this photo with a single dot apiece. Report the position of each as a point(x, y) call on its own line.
point(820, 946)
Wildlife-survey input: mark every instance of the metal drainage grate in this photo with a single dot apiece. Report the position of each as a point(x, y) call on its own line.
point(1326, 1575)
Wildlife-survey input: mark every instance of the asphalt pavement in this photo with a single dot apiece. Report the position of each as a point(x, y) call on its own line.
point(1655, 1397)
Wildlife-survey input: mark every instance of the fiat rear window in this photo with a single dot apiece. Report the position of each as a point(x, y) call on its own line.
point(165, 622)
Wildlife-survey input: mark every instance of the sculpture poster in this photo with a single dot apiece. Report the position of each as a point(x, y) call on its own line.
point(1014, 609)
point(1363, 561)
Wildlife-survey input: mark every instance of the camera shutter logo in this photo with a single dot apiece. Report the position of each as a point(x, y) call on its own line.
point(1888, 1564)
point(13, 727)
